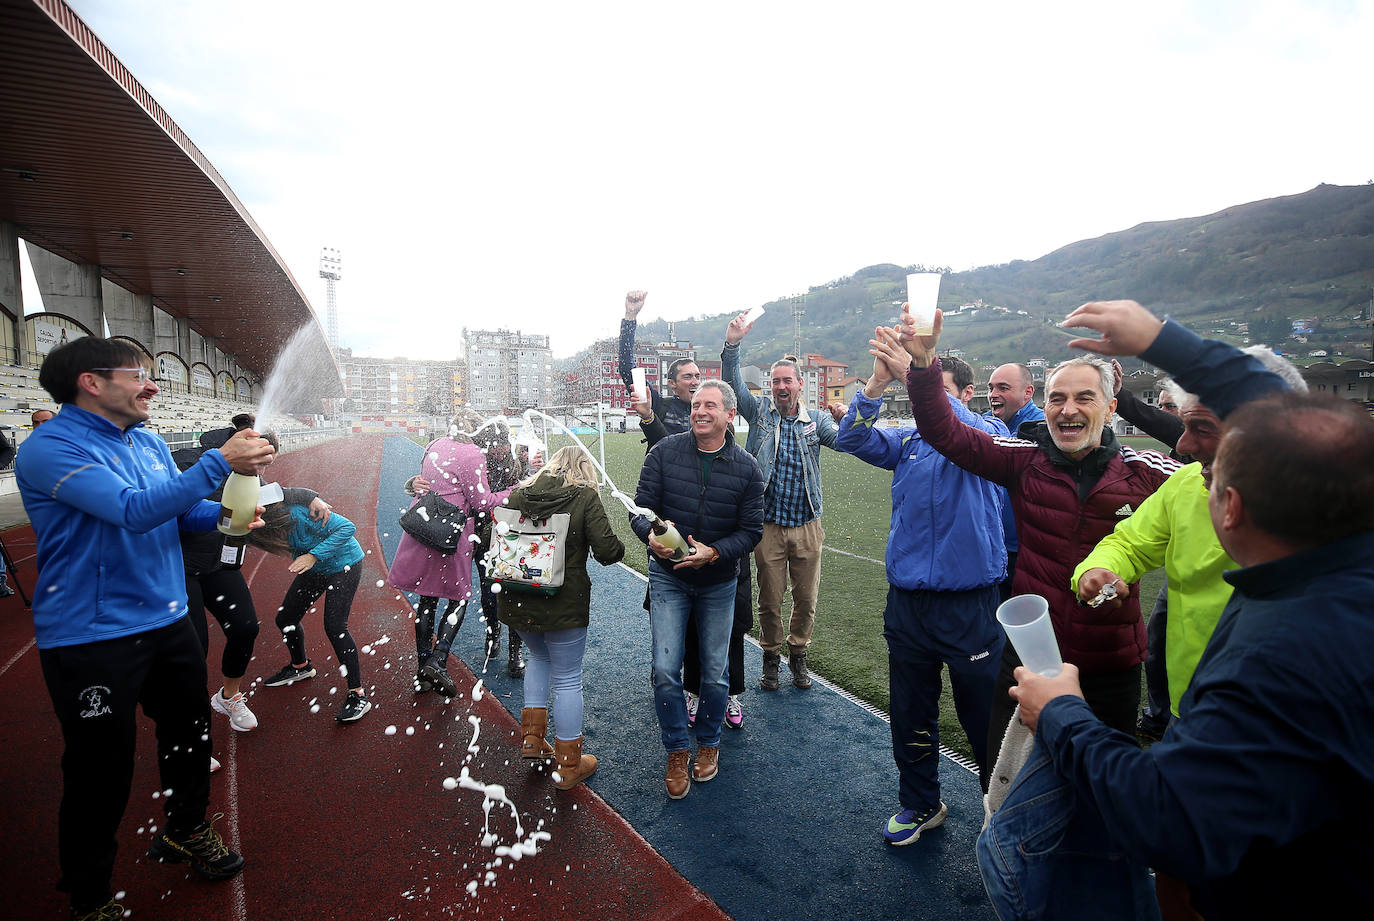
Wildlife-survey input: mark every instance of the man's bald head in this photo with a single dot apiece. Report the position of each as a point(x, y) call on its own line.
point(1010, 388)
point(40, 416)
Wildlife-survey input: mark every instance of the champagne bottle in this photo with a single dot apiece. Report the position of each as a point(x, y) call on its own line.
point(232, 553)
point(669, 537)
point(239, 505)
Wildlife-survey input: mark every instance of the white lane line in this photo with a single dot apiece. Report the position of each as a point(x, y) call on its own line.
point(16, 657)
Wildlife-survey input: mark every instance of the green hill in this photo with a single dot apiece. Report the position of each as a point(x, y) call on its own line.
point(1244, 273)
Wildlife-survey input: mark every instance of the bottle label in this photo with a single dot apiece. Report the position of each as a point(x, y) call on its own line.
point(231, 557)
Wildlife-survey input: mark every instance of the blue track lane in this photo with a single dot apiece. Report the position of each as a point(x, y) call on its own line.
point(791, 827)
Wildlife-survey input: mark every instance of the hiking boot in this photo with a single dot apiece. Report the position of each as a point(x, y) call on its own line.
point(290, 674)
point(241, 718)
point(678, 780)
point(769, 679)
point(906, 826)
point(355, 708)
point(707, 764)
point(515, 663)
point(734, 713)
point(493, 644)
point(203, 848)
point(693, 702)
point(438, 678)
point(110, 911)
point(797, 663)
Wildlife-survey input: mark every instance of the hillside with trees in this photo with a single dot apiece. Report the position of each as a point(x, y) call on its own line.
point(1245, 273)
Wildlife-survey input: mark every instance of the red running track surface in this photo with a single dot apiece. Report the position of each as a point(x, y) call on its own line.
point(334, 821)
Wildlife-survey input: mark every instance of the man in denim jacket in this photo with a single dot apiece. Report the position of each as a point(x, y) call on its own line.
point(785, 438)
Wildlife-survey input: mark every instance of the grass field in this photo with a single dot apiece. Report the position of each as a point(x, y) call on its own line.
point(847, 646)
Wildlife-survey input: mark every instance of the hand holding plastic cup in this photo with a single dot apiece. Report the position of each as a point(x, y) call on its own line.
point(753, 314)
point(922, 294)
point(1026, 618)
point(640, 388)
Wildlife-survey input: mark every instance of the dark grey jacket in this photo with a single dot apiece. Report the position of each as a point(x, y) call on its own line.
point(725, 512)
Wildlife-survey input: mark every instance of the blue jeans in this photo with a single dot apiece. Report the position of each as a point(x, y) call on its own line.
point(671, 601)
point(1046, 855)
point(555, 658)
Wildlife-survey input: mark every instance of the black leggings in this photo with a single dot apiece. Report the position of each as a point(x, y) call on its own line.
point(304, 590)
point(226, 595)
point(427, 613)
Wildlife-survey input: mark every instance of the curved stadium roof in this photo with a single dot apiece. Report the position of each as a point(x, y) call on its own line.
point(94, 170)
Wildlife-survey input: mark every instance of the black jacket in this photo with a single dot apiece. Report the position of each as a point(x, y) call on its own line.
point(726, 511)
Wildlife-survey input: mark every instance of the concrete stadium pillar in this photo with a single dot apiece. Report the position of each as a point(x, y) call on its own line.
point(11, 283)
point(69, 288)
point(165, 333)
point(129, 314)
point(11, 291)
point(184, 344)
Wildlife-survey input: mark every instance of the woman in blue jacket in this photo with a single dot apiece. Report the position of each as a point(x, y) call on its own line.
point(327, 561)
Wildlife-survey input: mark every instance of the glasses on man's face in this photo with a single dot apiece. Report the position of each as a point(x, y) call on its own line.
point(143, 375)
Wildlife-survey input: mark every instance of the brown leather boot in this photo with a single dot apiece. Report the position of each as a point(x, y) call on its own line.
point(534, 723)
point(707, 763)
point(573, 766)
point(678, 781)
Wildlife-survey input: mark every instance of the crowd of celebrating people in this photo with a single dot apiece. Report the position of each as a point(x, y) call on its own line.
point(1255, 800)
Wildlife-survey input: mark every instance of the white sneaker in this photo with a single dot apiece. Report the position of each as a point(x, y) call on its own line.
point(236, 708)
point(214, 764)
point(693, 701)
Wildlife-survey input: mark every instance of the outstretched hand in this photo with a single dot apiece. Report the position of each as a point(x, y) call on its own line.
point(739, 327)
point(634, 303)
point(1126, 327)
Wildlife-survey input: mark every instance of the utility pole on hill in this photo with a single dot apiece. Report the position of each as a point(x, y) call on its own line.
point(798, 311)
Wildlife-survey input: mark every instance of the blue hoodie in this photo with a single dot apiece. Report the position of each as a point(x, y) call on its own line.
point(946, 531)
point(106, 507)
point(331, 543)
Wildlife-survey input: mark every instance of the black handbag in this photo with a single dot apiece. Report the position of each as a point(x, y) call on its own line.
point(435, 522)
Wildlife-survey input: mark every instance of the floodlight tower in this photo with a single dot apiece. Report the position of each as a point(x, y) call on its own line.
point(798, 311)
point(331, 270)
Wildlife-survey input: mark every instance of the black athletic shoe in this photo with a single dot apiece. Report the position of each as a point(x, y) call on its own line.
point(355, 708)
point(203, 848)
point(438, 679)
point(290, 674)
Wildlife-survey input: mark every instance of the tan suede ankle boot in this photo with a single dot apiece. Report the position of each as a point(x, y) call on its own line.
point(573, 766)
point(534, 723)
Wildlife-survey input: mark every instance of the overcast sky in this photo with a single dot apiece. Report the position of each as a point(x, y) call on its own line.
point(523, 165)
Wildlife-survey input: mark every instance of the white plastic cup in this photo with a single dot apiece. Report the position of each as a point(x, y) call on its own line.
point(269, 493)
point(1026, 618)
point(922, 293)
point(640, 388)
point(753, 314)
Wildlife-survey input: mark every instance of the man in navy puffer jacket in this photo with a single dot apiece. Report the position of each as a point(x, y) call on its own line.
point(711, 489)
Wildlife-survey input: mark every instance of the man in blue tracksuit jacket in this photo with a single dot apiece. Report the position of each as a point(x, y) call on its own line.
point(106, 502)
point(945, 558)
point(1011, 393)
point(1260, 797)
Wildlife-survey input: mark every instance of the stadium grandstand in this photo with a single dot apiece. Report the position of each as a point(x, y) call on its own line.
point(132, 233)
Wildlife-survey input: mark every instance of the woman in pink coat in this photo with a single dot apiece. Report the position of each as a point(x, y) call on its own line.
point(456, 469)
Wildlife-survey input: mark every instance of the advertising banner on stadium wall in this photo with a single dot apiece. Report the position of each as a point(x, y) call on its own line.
point(243, 389)
point(226, 386)
point(171, 369)
point(202, 378)
point(49, 334)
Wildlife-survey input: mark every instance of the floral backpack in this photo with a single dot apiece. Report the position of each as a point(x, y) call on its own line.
point(526, 554)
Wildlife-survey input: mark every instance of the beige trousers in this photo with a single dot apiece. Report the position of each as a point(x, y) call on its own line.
point(782, 551)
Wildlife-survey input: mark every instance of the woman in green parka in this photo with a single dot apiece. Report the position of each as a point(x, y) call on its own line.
point(554, 627)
